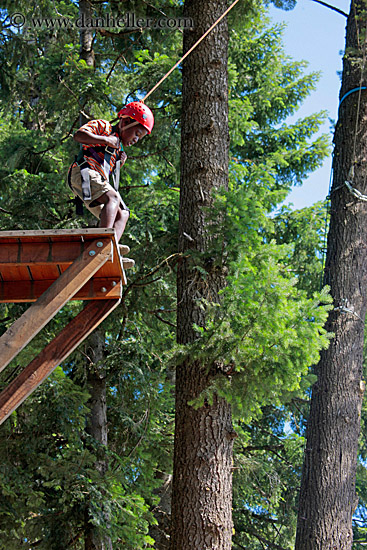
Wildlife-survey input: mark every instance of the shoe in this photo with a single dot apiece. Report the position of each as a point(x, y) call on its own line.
point(127, 263)
point(124, 249)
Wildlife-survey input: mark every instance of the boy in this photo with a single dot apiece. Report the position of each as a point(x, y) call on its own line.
point(103, 156)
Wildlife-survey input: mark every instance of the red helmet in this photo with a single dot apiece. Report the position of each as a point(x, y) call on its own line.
point(140, 112)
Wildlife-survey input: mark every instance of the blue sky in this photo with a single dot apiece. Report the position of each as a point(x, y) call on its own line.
point(316, 34)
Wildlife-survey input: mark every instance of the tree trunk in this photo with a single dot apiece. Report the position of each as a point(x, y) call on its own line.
point(202, 478)
point(96, 425)
point(86, 33)
point(97, 420)
point(328, 495)
point(86, 45)
point(162, 512)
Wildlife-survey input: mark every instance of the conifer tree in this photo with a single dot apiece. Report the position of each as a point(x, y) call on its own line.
point(202, 476)
point(48, 459)
point(328, 492)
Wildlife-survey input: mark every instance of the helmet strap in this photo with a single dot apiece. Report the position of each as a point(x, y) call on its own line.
point(135, 123)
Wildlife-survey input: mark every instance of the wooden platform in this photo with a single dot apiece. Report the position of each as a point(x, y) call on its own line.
point(30, 261)
point(49, 268)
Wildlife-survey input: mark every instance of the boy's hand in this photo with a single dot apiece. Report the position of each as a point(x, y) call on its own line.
point(113, 141)
point(123, 158)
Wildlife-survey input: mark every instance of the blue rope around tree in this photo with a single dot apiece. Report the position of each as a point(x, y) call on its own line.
point(350, 92)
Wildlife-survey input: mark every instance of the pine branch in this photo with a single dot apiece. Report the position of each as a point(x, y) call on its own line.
point(270, 448)
point(114, 65)
point(270, 545)
point(331, 7)
point(163, 320)
point(260, 517)
point(110, 34)
point(5, 211)
point(160, 11)
point(149, 154)
point(134, 186)
point(251, 448)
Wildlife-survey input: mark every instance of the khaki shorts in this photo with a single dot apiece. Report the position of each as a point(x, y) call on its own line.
point(98, 187)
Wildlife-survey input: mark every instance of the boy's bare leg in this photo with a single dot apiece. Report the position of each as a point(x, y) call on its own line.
point(120, 222)
point(112, 214)
point(111, 202)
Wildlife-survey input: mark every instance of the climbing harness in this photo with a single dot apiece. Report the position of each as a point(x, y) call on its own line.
point(141, 114)
point(84, 166)
point(105, 165)
point(82, 161)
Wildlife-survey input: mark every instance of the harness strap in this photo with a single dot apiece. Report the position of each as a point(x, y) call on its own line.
point(84, 172)
point(77, 200)
point(108, 153)
point(116, 175)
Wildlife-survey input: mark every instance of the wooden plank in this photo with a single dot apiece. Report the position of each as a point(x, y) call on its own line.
point(41, 272)
point(55, 297)
point(30, 291)
point(40, 253)
point(88, 233)
point(109, 269)
point(14, 273)
point(55, 353)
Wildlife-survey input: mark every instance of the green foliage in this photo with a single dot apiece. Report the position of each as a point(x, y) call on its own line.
point(305, 231)
point(268, 458)
point(266, 87)
point(360, 515)
point(264, 336)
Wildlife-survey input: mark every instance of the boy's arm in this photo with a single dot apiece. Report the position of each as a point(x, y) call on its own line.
point(88, 138)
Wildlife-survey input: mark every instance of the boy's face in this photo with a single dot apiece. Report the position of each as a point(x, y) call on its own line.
point(130, 136)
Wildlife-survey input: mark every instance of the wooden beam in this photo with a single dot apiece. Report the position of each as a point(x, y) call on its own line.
point(51, 301)
point(39, 253)
point(52, 355)
point(30, 291)
point(66, 233)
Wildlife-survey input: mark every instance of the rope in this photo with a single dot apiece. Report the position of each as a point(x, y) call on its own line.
point(350, 92)
point(324, 248)
point(346, 307)
point(355, 192)
point(190, 50)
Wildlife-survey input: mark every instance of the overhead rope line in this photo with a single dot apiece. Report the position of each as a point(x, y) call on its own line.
point(190, 50)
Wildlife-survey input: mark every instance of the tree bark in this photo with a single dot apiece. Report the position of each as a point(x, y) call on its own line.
point(328, 494)
point(202, 478)
point(97, 421)
point(86, 33)
point(162, 512)
point(86, 45)
point(96, 425)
